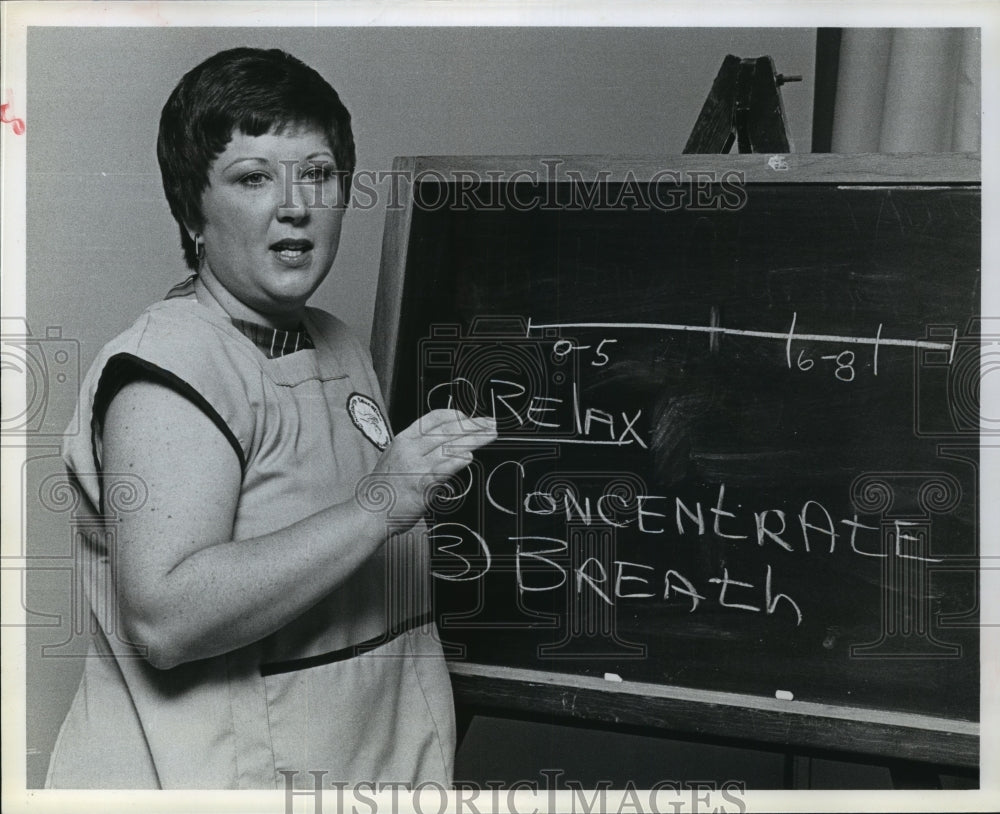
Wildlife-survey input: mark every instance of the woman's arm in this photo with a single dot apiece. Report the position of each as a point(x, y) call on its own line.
point(186, 589)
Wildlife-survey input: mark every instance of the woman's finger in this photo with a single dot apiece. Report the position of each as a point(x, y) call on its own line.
point(461, 444)
point(435, 419)
point(447, 465)
point(457, 432)
point(428, 431)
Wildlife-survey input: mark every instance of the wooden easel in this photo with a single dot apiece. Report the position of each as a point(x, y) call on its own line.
point(744, 106)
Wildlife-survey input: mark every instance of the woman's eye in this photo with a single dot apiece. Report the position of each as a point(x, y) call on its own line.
point(254, 179)
point(318, 172)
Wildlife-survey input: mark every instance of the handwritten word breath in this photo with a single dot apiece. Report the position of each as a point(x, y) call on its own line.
point(541, 562)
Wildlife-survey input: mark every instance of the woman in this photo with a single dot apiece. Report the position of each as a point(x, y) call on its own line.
point(264, 623)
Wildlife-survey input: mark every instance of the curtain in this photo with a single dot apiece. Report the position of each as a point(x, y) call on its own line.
point(903, 90)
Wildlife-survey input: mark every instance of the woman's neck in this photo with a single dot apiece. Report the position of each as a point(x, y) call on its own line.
point(214, 295)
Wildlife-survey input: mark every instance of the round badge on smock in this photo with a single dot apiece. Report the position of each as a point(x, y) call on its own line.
point(367, 417)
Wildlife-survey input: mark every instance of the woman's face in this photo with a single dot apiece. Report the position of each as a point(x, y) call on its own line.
point(272, 213)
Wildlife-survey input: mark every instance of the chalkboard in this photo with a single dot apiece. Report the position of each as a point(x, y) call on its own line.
point(738, 465)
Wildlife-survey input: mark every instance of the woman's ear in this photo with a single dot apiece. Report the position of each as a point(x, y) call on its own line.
point(198, 241)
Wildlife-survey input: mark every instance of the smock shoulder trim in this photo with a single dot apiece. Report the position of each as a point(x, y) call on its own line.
point(125, 368)
point(187, 347)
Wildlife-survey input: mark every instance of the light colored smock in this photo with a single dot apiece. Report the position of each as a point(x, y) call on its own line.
point(238, 720)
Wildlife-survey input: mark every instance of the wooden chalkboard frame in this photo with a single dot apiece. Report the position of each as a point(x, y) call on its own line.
point(677, 710)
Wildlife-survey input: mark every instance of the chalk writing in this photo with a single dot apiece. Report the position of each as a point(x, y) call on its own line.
point(561, 348)
point(511, 405)
point(844, 361)
point(711, 550)
point(542, 563)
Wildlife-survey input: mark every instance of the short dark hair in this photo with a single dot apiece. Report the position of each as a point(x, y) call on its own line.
point(254, 91)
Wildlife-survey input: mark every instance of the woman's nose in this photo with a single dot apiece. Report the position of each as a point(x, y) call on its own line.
point(297, 197)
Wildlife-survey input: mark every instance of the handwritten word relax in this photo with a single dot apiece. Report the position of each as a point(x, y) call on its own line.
point(560, 420)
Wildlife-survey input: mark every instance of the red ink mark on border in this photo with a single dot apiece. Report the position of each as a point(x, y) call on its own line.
point(17, 125)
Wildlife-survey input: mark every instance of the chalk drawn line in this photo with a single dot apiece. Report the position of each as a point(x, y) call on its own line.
point(555, 439)
point(877, 340)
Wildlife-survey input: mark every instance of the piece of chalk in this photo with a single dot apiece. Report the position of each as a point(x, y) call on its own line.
point(612, 677)
point(783, 695)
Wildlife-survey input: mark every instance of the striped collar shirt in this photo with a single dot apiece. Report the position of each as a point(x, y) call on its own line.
point(273, 342)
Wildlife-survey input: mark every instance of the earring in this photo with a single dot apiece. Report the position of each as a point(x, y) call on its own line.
point(199, 248)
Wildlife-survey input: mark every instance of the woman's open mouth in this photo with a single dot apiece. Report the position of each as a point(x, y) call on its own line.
point(293, 253)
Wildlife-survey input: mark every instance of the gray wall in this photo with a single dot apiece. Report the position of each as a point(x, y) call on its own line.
point(102, 245)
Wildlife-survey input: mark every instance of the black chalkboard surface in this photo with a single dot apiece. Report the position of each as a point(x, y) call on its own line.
point(736, 489)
